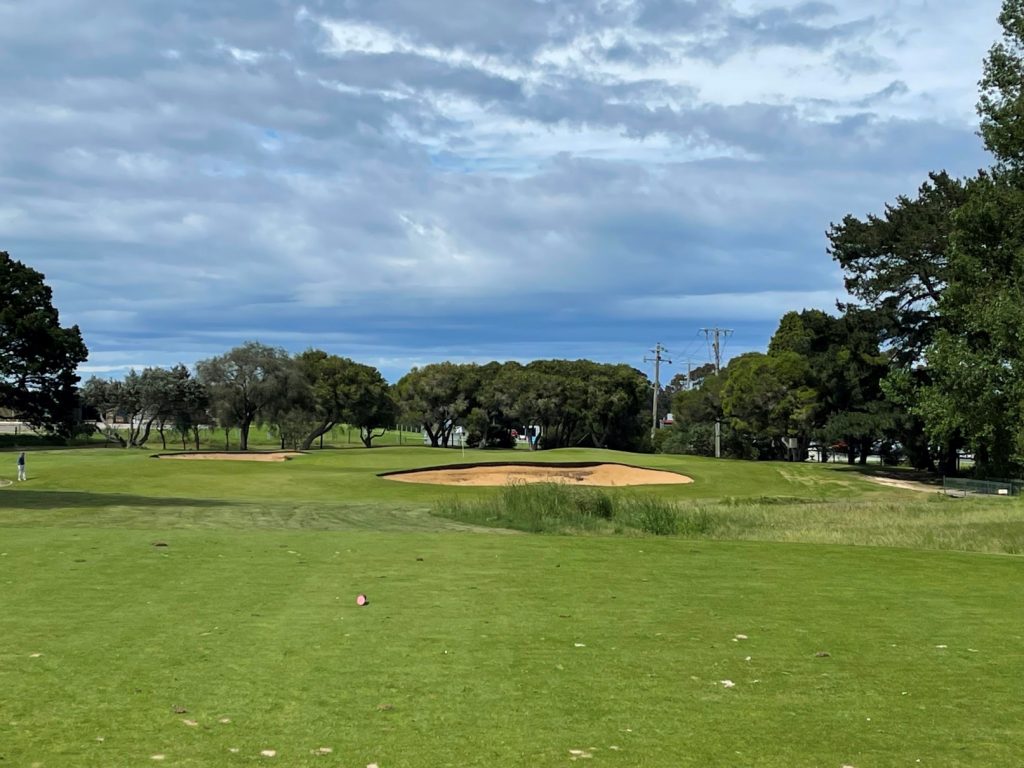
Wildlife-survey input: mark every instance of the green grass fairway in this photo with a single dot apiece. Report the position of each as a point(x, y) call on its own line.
point(487, 648)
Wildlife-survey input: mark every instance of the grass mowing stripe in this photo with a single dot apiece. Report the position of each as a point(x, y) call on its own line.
point(502, 650)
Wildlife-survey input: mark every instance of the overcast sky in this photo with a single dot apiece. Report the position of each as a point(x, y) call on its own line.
point(404, 182)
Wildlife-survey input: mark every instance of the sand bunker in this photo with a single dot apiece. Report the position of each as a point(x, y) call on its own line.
point(504, 474)
point(277, 456)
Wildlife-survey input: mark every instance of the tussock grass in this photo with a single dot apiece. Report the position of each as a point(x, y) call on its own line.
point(536, 508)
point(930, 522)
point(561, 508)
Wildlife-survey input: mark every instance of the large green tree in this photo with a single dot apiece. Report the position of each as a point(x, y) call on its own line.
point(437, 397)
point(768, 398)
point(977, 360)
point(38, 357)
point(897, 264)
point(245, 383)
point(845, 367)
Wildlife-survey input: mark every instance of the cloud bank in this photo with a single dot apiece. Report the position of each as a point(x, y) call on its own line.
point(403, 182)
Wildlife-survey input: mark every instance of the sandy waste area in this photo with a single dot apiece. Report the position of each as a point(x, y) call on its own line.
point(600, 474)
point(279, 456)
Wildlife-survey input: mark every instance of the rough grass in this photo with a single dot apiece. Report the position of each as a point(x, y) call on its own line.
point(562, 508)
point(915, 522)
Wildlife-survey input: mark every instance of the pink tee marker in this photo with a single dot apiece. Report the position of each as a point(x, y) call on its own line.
point(362, 600)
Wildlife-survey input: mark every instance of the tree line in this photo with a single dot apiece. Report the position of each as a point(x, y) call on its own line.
point(928, 360)
point(301, 397)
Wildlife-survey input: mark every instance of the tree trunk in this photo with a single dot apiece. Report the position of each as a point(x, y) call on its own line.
point(227, 438)
point(307, 442)
point(434, 436)
point(243, 440)
point(184, 436)
point(948, 460)
point(110, 433)
point(367, 436)
point(140, 440)
point(195, 434)
point(163, 438)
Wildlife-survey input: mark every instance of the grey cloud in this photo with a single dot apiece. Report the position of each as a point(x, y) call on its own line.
point(514, 29)
point(863, 61)
point(718, 32)
point(893, 89)
point(773, 27)
point(418, 73)
point(660, 15)
point(639, 54)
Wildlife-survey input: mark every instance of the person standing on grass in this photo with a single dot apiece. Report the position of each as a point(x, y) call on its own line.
point(21, 466)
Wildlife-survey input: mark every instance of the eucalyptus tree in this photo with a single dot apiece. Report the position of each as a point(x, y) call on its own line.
point(245, 383)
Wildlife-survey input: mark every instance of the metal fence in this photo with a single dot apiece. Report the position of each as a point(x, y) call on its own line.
point(962, 486)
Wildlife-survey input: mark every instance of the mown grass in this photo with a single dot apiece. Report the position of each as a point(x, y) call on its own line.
point(481, 649)
point(500, 650)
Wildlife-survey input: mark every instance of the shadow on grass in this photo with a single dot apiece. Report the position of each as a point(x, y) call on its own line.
point(21, 499)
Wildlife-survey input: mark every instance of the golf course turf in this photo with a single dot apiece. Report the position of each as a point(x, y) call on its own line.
point(144, 602)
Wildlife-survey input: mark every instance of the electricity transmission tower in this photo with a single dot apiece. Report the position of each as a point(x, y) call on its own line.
point(657, 360)
point(717, 334)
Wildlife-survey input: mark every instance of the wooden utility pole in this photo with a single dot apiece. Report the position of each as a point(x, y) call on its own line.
point(657, 360)
point(717, 333)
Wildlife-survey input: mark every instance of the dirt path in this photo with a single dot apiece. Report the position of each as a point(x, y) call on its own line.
point(907, 485)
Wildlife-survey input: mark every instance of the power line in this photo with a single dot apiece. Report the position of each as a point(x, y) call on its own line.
point(716, 345)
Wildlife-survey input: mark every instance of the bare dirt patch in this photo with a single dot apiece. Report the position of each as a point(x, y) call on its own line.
point(907, 485)
point(505, 474)
point(223, 456)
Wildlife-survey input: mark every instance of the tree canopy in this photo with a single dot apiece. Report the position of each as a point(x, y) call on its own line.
point(38, 357)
